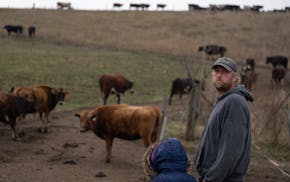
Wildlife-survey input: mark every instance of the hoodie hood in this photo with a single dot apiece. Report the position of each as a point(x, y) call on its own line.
point(241, 90)
point(169, 155)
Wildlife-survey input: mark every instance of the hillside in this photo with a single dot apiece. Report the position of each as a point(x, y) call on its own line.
point(245, 34)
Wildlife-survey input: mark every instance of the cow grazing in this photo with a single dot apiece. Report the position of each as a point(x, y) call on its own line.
point(212, 50)
point(11, 107)
point(278, 75)
point(46, 98)
point(229, 7)
point(134, 5)
point(31, 31)
point(122, 121)
point(161, 6)
point(17, 29)
point(115, 84)
point(275, 60)
point(181, 86)
point(192, 7)
point(117, 5)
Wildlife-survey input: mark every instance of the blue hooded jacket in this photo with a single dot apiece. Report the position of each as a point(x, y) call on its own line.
point(169, 160)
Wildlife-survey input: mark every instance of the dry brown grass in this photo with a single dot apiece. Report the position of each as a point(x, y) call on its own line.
point(245, 34)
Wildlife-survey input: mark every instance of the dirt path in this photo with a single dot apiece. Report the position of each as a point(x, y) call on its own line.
point(65, 154)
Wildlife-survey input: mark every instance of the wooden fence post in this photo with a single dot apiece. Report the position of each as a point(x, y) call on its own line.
point(288, 119)
point(193, 111)
point(164, 119)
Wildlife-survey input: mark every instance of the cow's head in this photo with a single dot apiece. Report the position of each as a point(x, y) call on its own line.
point(60, 94)
point(84, 121)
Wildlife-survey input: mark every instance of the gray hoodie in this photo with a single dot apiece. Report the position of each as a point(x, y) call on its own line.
point(224, 148)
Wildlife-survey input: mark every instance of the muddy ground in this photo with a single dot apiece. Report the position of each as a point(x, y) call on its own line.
point(65, 154)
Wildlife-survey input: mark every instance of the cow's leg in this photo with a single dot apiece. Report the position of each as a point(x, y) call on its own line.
point(21, 120)
point(146, 135)
point(119, 98)
point(12, 126)
point(106, 95)
point(109, 143)
point(45, 122)
point(170, 98)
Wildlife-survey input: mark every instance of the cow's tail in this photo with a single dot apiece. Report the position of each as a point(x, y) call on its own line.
point(157, 126)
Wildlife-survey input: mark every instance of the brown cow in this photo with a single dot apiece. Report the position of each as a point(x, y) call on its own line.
point(122, 121)
point(45, 97)
point(11, 107)
point(117, 82)
point(248, 76)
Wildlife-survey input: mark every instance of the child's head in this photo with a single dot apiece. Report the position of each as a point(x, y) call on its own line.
point(168, 155)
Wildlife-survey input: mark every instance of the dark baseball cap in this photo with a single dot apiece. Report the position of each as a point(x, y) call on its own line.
point(226, 62)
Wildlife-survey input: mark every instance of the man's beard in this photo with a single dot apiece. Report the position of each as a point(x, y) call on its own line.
point(222, 86)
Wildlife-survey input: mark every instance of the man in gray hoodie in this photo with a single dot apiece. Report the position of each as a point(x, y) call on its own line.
point(223, 154)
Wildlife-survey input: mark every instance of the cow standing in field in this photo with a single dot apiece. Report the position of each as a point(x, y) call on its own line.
point(12, 107)
point(122, 121)
point(275, 60)
point(63, 5)
point(115, 84)
point(181, 86)
point(278, 75)
point(248, 76)
point(31, 31)
point(17, 29)
point(45, 97)
point(117, 5)
point(212, 50)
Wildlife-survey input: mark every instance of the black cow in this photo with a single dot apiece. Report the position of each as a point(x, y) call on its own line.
point(161, 6)
point(134, 5)
point(278, 75)
point(230, 7)
point(11, 107)
point(212, 50)
point(31, 31)
point(117, 5)
point(276, 60)
point(251, 62)
point(17, 29)
point(192, 7)
point(181, 86)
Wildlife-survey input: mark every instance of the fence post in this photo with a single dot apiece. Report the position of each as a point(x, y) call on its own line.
point(193, 111)
point(164, 119)
point(288, 119)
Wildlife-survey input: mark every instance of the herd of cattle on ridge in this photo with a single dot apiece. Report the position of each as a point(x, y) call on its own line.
point(191, 7)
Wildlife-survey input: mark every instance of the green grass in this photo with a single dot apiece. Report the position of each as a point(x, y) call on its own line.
point(77, 69)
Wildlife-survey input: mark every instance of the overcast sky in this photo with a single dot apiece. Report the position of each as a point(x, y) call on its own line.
point(171, 4)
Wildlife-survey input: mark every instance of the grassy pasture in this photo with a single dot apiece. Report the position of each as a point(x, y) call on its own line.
point(25, 62)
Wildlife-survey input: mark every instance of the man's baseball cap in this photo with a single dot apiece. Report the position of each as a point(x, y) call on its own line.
point(226, 62)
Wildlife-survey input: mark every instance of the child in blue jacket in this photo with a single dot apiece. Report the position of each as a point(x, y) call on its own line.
point(167, 161)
